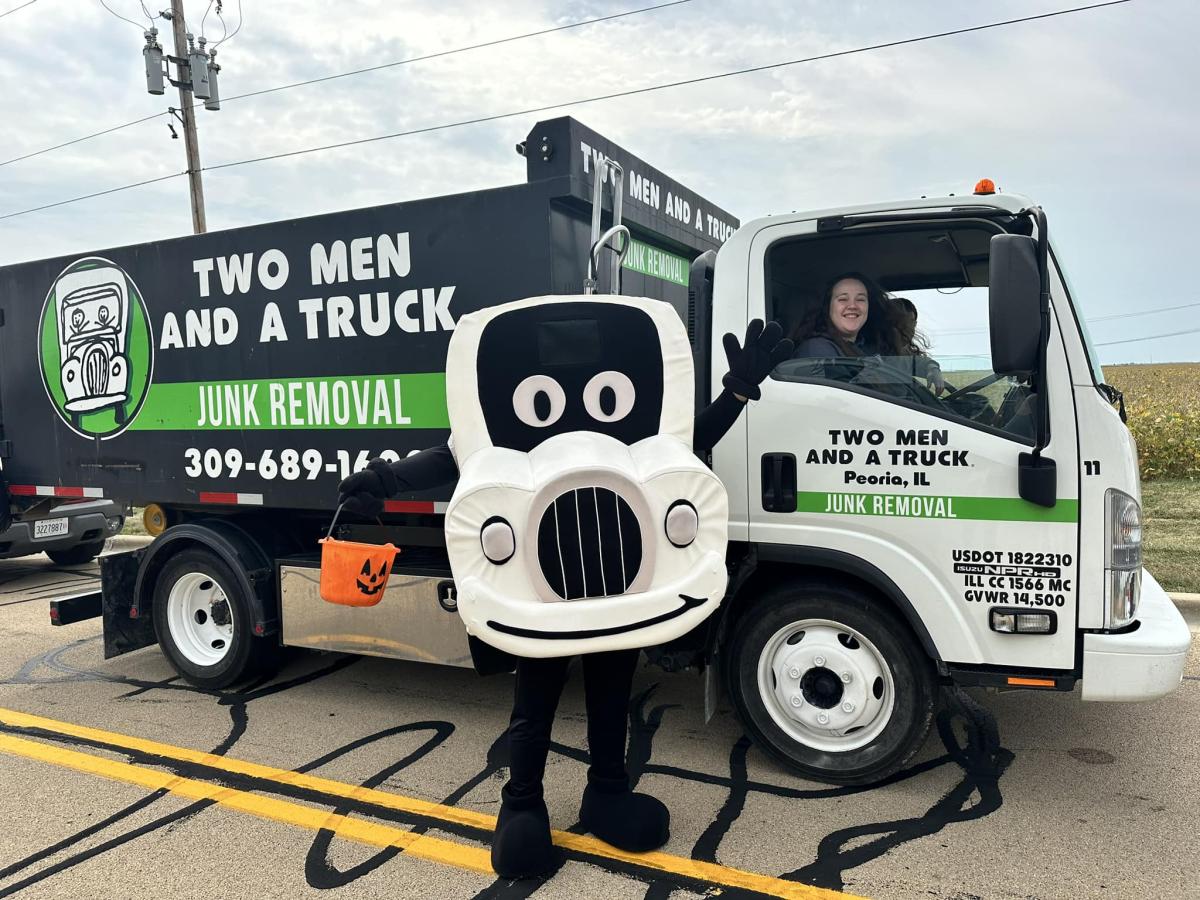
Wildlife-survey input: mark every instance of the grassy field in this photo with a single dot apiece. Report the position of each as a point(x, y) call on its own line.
point(1171, 511)
point(1163, 403)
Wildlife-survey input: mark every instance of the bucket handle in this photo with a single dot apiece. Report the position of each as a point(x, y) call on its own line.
point(337, 512)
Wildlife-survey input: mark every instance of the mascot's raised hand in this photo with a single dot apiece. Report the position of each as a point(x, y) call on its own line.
point(754, 359)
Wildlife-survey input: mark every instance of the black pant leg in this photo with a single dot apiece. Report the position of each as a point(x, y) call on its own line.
point(608, 680)
point(539, 684)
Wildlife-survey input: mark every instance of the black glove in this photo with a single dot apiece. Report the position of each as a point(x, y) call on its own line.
point(363, 492)
point(764, 349)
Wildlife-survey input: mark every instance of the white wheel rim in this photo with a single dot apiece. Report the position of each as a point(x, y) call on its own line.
point(200, 618)
point(826, 685)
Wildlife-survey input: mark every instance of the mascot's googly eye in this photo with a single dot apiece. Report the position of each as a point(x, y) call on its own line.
point(539, 401)
point(609, 396)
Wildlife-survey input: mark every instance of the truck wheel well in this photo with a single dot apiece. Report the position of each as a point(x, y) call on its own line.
point(862, 577)
point(237, 548)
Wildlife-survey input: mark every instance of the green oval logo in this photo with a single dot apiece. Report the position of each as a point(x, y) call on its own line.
point(95, 347)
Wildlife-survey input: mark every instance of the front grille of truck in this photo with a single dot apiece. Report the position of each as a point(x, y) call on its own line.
point(589, 544)
point(95, 372)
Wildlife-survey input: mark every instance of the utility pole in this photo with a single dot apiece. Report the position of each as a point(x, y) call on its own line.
point(190, 142)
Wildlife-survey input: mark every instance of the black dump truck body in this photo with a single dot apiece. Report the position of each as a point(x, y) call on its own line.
point(260, 365)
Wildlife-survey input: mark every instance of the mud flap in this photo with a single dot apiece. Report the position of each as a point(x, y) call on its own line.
point(5, 513)
point(712, 689)
point(118, 575)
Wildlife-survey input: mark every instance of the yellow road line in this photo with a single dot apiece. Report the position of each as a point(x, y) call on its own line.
point(419, 845)
point(712, 873)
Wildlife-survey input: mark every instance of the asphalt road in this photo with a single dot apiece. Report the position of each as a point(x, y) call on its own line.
point(357, 777)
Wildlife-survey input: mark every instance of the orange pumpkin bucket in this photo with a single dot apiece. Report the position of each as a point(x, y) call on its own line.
point(353, 573)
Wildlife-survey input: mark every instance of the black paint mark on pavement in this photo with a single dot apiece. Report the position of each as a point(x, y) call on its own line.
point(983, 761)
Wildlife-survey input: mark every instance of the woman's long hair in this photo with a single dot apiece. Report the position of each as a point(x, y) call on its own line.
point(911, 341)
point(879, 334)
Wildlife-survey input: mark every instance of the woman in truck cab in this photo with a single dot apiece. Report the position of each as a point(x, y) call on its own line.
point(837, 327)
point(914, 361)
point(858, 335)
point(852, 319)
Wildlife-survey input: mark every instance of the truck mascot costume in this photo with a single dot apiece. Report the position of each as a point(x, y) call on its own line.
point(582, 524)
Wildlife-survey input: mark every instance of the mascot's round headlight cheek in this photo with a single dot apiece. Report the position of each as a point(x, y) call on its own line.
point(683, 522)
point(539, 401)
point(498, 541)
point(609, 396)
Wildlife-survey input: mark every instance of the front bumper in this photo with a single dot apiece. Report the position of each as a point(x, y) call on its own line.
point(1141, 664)
point(537, 629)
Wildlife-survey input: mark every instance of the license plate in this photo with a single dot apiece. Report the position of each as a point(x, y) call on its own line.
point(45, 528)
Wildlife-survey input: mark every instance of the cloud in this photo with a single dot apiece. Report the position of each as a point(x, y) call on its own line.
point(1091, 114)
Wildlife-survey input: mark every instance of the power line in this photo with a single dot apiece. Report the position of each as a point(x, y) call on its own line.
point(323, 78)
point(628, 93)
point(662, 87)
point(15, 8)
point(86, 137)
point(1150, 337)
point(1089, 319)
point(123, 187)
point(441, 53)
point(228, 34)
point(1143, 313)
point(121, 17)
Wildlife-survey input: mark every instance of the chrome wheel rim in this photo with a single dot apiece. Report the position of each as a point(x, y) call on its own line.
point(826, 685)
point(200, 618)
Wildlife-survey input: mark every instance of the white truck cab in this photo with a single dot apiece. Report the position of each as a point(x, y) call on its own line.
point(980, 525)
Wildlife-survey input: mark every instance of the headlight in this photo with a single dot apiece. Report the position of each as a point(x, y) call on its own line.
point(683, 522)
point(1123, 569)
point(498, 541)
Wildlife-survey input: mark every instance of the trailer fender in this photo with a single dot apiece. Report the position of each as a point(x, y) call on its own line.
point(237, 548)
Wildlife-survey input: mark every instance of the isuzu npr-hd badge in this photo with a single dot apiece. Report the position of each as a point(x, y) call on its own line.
point(95, 348)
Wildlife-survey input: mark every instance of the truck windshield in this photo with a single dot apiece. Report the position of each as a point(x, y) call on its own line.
point(1076, 301)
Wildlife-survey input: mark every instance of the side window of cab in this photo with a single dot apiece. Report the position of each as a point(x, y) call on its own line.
point(898, 313)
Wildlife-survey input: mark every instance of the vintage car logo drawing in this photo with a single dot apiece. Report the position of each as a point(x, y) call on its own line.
point(95, 347)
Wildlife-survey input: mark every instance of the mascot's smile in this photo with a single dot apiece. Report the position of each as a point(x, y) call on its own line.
point(688, 603)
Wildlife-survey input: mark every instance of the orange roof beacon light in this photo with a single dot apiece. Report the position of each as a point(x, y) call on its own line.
point(985, 186)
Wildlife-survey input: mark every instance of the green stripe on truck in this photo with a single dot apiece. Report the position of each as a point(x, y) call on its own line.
point(934, 506)
point(408, 400)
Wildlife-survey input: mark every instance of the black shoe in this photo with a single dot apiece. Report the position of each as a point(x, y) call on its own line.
point(618, 816)
point(521, 845)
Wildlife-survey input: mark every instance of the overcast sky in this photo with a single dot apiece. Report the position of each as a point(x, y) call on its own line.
point(1093, 115)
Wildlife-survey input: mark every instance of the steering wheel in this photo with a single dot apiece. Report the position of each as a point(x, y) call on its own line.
point(849, 369)
point(983, 382)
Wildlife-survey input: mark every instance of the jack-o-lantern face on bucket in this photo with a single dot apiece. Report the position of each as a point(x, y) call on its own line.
point(370, 583)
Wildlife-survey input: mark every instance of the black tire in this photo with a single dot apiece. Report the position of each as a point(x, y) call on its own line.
point(912, 673)
point(77, 555)
point(243, 656)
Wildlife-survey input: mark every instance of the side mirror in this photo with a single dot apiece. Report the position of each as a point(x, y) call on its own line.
point(1014, 304)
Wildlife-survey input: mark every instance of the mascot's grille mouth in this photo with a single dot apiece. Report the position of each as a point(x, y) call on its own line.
point(589, 544)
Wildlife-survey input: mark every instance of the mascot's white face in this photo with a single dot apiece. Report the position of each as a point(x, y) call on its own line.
point(582, 521)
